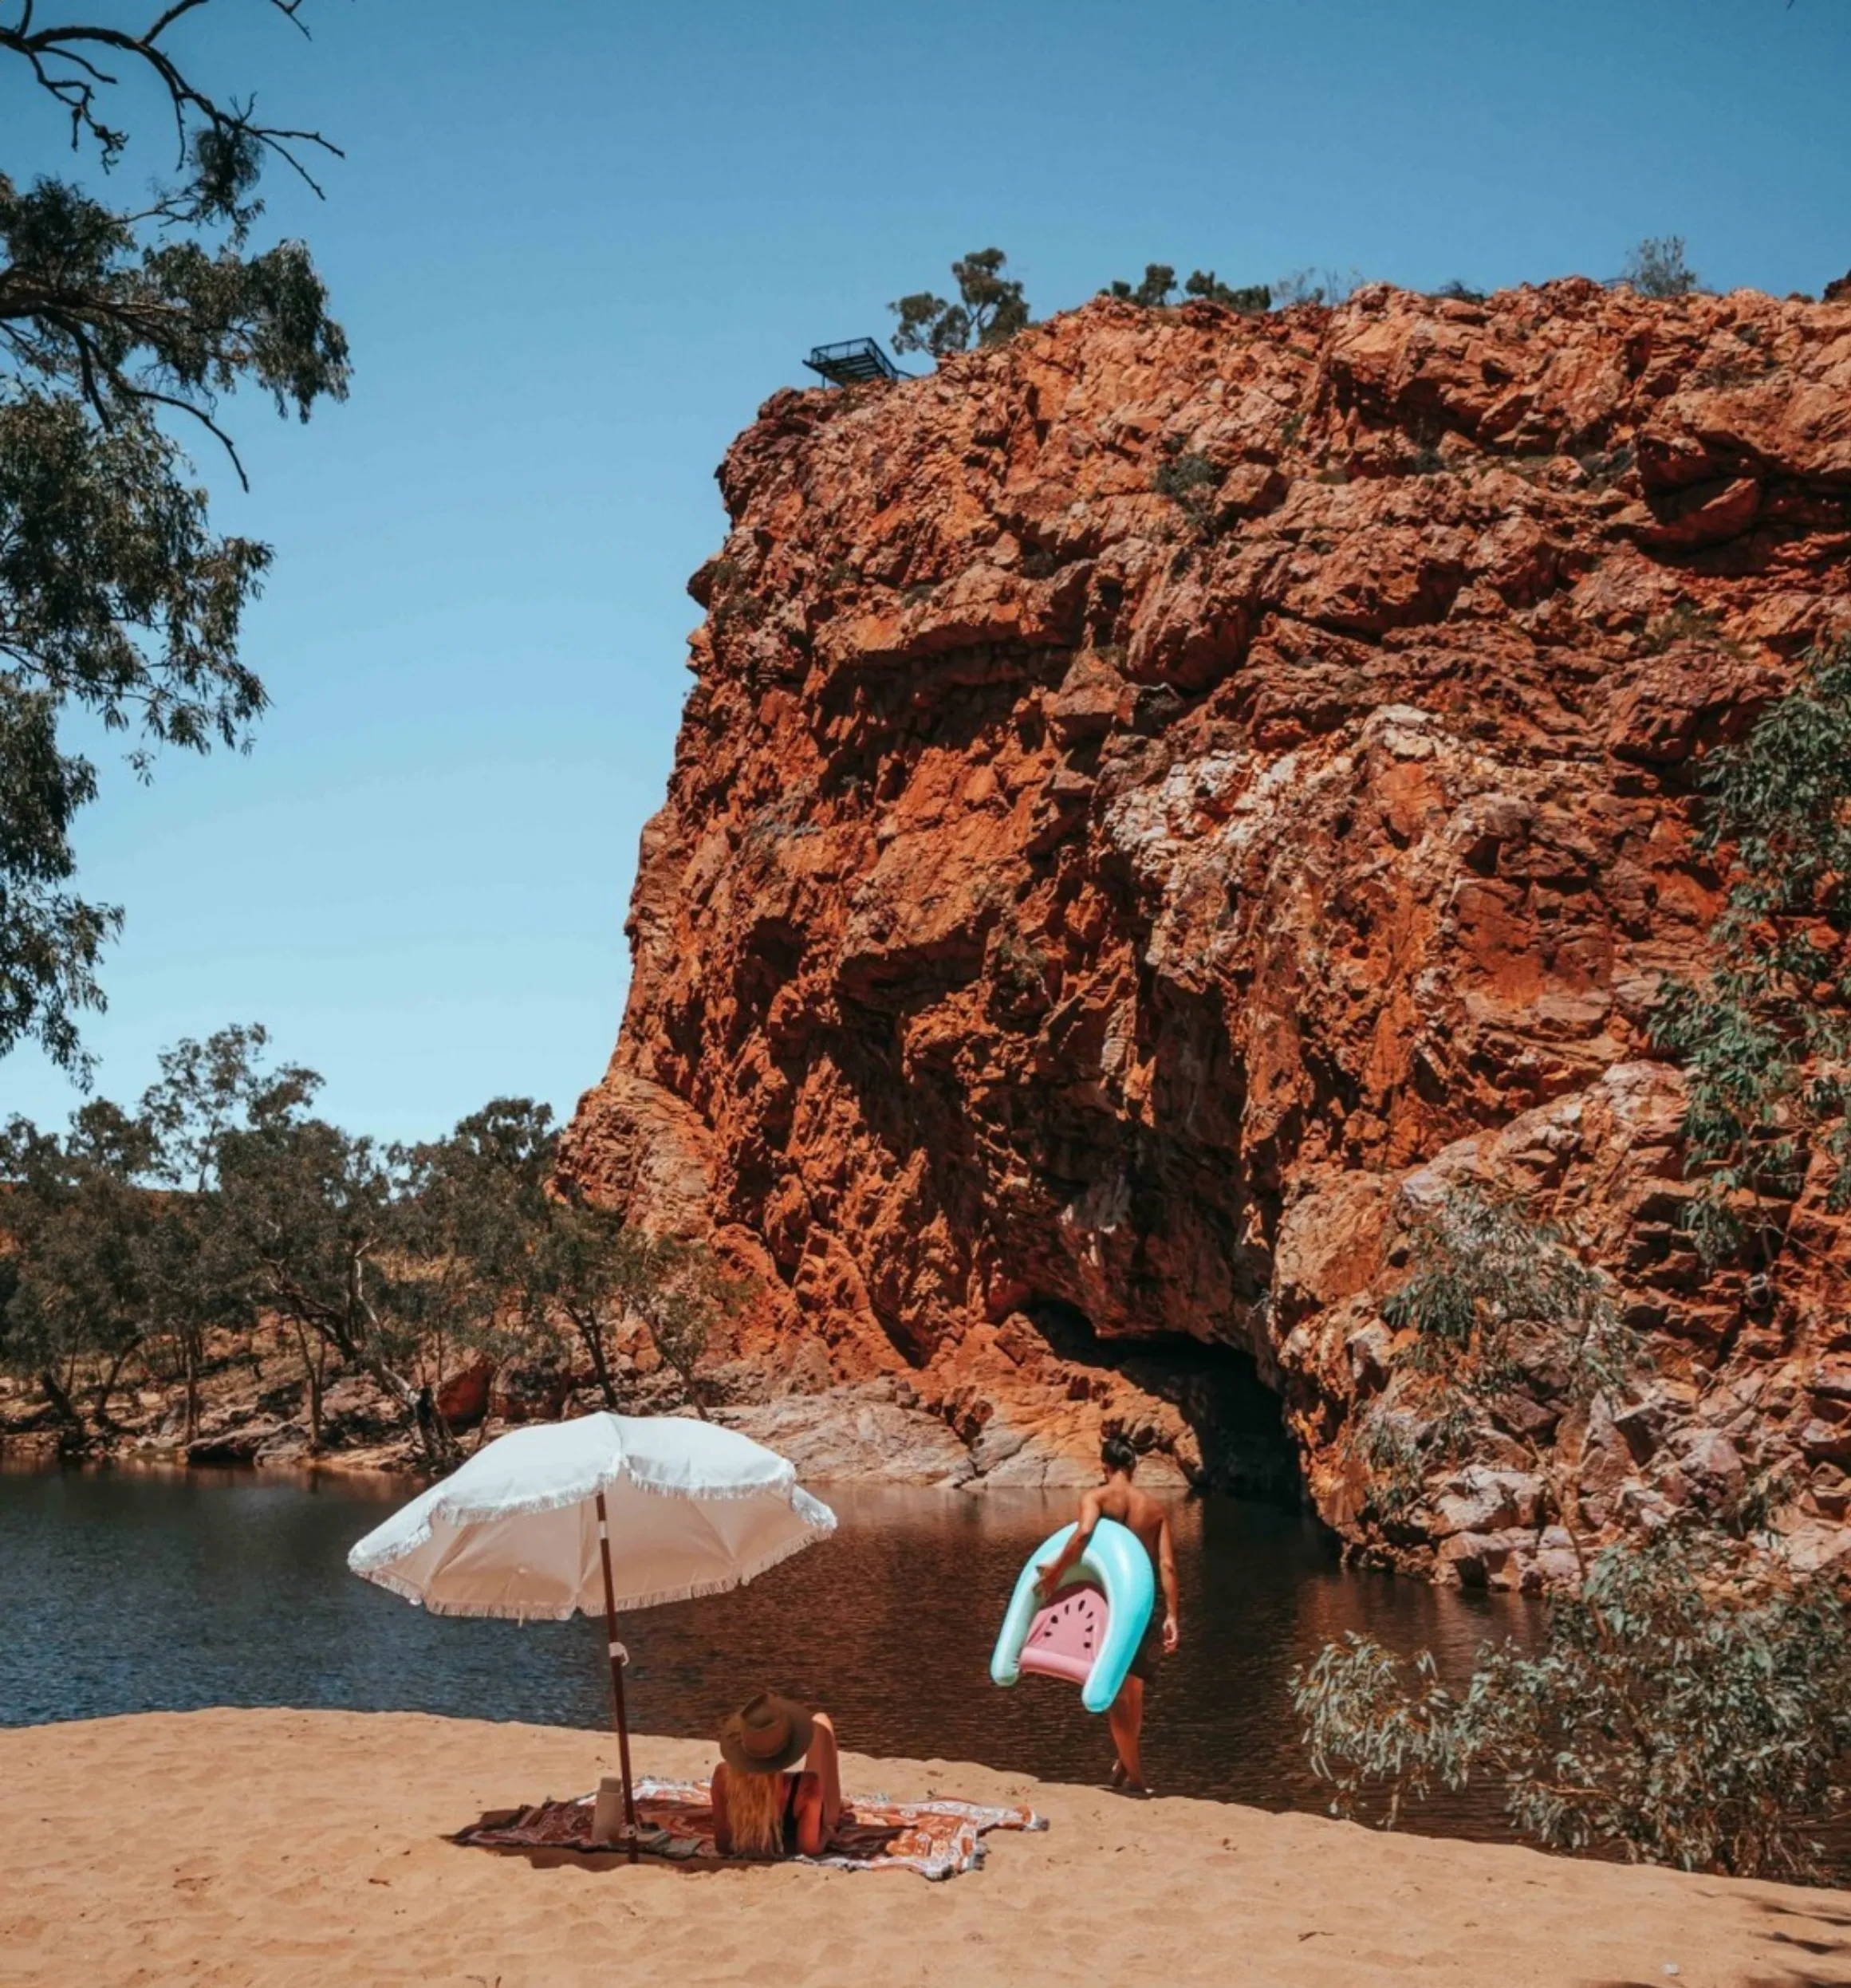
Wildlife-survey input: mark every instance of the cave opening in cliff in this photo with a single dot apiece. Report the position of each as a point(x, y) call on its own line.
point(1238, 1420)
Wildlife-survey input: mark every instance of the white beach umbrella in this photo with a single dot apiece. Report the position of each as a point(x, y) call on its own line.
point(606, 1511)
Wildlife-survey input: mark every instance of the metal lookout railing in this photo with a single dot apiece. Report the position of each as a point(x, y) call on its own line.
point(853, 363)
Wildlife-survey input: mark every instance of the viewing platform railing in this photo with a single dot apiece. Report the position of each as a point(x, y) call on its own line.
point(853, 363)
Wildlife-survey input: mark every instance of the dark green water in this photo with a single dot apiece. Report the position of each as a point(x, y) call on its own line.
point(132, 1591)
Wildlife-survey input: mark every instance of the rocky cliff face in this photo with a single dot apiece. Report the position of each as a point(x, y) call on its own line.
point(1160, 801)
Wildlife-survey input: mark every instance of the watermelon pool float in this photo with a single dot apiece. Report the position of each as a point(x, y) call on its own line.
point(1088, 1630)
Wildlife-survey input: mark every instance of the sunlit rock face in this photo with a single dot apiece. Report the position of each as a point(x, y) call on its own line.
point(1160, 800)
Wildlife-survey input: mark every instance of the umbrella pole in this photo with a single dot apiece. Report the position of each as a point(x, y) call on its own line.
point(619, 1656)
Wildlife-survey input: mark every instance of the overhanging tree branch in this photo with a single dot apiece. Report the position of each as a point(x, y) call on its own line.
point(46, 50)
point(115, 596)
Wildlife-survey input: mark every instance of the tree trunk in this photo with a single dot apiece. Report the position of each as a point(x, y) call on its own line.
point(440, 1444)
point(592, 1334)
point(314, 1351)
point(352, 1330)
point(1556, 1480)
point(190, 1355)
point(106, 1387)
point(73, 1432)
point(420, 1410)
point(692, 1388)
point(416, 1404)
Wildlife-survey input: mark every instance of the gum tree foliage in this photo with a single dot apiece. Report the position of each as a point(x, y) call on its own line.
point(319, 1213)
point(591, 1271)
point(221, 1203)
point(386, 1260)
point(1766, 1038)
point(471, 1205)
point(991, 309)
point(116, 1251)
point(1155, 290)
point(1678, 1710)
point(1674, 1714)
point(1498, 1296)
point(1251, 299)
point(506, 1255)
point(1509, 1326)
point(1655, 267)
point(122, 326)
point(353, 1246)
point(277, 1215)
point(680, 1293)
point(225, 1202)
point(76, 1296)
point(195, 1281)
point(1159, 285)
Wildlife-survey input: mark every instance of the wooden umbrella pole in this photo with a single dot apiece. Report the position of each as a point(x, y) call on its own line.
point(619, 1656)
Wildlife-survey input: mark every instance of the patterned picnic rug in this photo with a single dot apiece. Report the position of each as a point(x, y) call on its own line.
point(937, 1838)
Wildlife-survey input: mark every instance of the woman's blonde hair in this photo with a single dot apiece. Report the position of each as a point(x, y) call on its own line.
point(756, 1813)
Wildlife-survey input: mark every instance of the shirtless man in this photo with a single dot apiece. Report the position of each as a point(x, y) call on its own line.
point(1119, 1498)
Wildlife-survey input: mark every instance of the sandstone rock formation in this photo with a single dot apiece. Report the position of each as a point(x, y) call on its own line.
point(1160, 798)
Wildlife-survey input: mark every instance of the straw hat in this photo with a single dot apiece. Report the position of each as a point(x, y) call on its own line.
point(767, 1734)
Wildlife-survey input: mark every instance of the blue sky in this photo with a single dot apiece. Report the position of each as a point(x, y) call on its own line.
point(575, 243)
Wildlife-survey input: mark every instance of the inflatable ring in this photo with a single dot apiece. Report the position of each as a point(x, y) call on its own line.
point(1088, 1632)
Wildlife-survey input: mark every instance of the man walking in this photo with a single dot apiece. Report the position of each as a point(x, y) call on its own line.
point(1119, 1497)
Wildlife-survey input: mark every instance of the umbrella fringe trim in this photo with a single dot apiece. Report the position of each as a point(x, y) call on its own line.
point(658, 1598)
point(365, 1563)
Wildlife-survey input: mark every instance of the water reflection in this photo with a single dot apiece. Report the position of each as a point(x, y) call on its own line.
point(125, 1593)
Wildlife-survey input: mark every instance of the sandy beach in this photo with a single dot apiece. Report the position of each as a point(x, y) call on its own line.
point(250, 1847)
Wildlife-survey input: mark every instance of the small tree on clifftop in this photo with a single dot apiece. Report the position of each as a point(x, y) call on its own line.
point(1655, 267)
point(991, 309)
point(1158, 286)
point(1160, 283)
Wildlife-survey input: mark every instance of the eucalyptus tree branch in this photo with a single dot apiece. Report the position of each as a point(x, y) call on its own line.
point(205, 420)
point(65, 61)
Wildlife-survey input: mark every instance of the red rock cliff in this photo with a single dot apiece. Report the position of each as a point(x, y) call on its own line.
point(1084, 916)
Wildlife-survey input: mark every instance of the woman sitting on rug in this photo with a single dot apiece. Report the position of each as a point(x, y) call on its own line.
point(761, 1808)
